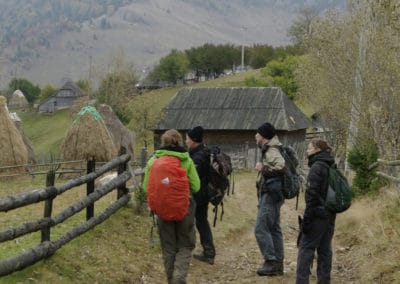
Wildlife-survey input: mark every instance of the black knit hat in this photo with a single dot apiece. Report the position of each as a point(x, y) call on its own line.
point(196, 134)
point(267, 130)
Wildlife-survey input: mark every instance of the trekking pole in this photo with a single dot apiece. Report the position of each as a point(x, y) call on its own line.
point(152, 242)
point(215, 215)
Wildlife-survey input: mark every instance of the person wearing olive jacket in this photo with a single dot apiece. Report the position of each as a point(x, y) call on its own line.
point(268, 231)
point(178, 238)
point(318, 223)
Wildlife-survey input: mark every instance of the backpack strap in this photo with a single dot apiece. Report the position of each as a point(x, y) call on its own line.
point(326, 166)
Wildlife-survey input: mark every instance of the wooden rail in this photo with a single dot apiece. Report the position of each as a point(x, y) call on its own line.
point(47, 247)
point(394, 163)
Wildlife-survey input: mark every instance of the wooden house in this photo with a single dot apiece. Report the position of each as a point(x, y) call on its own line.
point(230, 118)
point(63, 98)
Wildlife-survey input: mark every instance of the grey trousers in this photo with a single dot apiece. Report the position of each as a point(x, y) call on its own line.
point(178, 239)
point(268, 229)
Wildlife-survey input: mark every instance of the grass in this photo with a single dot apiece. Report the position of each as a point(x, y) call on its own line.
point(371, 237)
point(46, 131)
point(118, 250)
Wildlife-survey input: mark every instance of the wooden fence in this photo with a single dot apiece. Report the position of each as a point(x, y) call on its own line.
point(393, 164)
point(47, 247)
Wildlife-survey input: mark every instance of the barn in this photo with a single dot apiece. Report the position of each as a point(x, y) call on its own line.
point(63, 98)
point(231, 116)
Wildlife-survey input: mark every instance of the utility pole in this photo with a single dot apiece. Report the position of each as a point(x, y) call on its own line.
point(90, 77)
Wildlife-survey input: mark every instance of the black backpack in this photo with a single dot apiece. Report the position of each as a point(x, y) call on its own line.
point(218, 179)
point(291, 178)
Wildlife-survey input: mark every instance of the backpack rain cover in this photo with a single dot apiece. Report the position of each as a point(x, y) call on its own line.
point(168, 189)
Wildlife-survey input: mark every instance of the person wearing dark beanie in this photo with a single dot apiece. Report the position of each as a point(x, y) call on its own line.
point(200, 155)
point(267, 130)
point(196, 134)
point(268, 233)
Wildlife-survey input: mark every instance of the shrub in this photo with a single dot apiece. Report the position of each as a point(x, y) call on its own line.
point(360, 159)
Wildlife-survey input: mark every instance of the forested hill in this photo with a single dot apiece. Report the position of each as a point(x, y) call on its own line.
point(47, 41)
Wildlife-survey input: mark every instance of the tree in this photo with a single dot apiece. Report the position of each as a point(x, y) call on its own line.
point(118, 86)
point(352, 74)
point(260, 55)
point(280, 73)
point(172, 67)
point(144, 118)
point(302, 25)
point(47, 91)
point(30, 91)
point(84, 85)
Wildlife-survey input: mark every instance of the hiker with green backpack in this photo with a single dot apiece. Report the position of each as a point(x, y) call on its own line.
point(318, 224)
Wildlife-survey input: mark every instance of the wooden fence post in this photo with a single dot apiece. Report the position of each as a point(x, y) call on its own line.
point(48, 205)
point(143, 157)
point(122, 190)
point(91, 167)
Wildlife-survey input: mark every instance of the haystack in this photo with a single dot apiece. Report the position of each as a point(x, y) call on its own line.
point(27, 142)
point(13, 149)
point(18, 100)
point(88, 138)
point(121, 135)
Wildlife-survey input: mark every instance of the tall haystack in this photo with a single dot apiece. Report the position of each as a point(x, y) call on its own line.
point(88, 138)
point(13, 149)
point(27, 142)
point(18, 100)
point(121, 135)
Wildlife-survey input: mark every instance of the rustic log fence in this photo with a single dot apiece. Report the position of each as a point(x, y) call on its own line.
point(393, 164)
point(47, 247)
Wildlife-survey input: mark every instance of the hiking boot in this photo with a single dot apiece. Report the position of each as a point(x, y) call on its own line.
point(202, 257)
point(270, 268)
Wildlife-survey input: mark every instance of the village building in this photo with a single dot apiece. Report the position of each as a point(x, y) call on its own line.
point(230, 118)
point(63, 98)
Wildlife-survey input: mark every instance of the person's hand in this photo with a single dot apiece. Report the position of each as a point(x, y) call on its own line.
point(259, 166)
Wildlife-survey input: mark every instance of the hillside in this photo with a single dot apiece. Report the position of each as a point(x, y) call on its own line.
point(48, 41)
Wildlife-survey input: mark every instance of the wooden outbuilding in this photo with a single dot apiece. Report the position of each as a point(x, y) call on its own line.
point(230, 118)
point(63, 98)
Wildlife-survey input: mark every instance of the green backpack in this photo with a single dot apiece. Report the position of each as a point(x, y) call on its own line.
point(338, 195)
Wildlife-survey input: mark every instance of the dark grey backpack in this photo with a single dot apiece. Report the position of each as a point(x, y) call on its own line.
point(291, 178)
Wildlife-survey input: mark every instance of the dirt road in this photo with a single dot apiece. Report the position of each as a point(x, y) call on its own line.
point(238, 255)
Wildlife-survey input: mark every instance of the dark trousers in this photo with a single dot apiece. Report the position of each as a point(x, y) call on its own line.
point(318, 239)
point(203, 227)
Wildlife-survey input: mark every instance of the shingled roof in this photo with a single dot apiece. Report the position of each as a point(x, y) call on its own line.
point(232, 109)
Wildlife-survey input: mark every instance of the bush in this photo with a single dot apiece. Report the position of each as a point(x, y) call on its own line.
point(360, 159)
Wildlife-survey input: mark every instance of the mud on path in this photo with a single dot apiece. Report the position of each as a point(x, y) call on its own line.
point(238, 256)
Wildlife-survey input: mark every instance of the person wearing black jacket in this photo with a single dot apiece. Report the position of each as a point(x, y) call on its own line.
point(318, 224)
point(200, 155)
